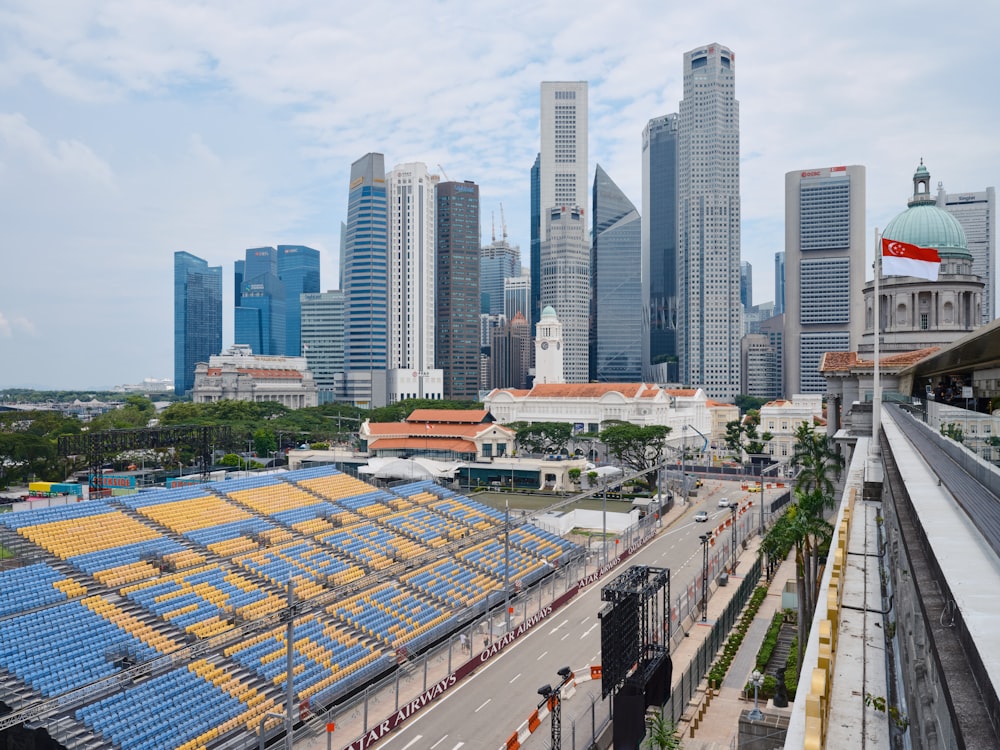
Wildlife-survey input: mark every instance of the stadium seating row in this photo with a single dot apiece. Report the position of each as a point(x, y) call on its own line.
point(65, 646)
point(33, 586)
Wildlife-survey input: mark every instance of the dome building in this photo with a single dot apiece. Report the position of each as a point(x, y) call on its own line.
point(917, 313)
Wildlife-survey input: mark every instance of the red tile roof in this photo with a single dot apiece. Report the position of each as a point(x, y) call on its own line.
point(453, 416)
point(587, 390)
point(845, 361)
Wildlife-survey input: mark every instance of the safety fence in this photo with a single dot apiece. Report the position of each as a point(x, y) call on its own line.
point(684, 688)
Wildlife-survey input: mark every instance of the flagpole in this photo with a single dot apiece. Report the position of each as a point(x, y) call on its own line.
point(877, 383)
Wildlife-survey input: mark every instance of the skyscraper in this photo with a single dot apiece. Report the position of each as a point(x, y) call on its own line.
point(562, 162)
point(323, 339)
point(412, 283)
point(259, 320)
point(746, 285)
point(824, 271)
point(620, 338)
point(498, 261)
point(517, 296)
point(565, 274)
point(708, 247)
point(197, 316)
point(366, 283)
point(458, 284)
point(779, 282)
point(298, 269)
point(977, 213)
point(659, 232)
point(535, 251)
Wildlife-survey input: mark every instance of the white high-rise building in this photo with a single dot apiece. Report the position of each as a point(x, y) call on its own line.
point(708, 224)
point(563, 155)
point(977, 213)
point(565, 279)
point(825, 270)
point(411, 198)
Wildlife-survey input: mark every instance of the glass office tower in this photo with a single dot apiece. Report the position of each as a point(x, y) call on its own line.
point(197, 316)
point(620, 334)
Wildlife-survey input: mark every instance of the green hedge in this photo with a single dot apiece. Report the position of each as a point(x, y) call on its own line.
point(732, 645)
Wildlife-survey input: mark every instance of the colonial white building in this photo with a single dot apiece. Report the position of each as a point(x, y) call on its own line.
point(241, 375)
point(782, 419)
point(590, 406)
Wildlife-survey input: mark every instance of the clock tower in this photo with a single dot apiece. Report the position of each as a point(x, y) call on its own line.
point(548, 348)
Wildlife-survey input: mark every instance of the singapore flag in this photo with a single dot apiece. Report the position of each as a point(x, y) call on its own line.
point(904, 259)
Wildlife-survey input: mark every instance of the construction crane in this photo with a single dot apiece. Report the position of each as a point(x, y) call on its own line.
point(444, 173)
point(503, 224)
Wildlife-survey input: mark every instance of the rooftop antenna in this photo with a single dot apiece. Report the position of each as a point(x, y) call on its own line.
point(493, 225)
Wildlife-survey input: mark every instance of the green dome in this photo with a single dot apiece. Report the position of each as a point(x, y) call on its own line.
point(548, 312)
point(925, 225)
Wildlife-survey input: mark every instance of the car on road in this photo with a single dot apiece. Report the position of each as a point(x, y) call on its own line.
point(723, 502)
point(701, 516)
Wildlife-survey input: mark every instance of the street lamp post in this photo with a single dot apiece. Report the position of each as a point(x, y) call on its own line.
point(732, 509)
point(705, 538)
point(757, 680)
point(604, 521)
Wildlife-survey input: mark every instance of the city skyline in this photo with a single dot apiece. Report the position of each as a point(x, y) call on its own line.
point(127, 137)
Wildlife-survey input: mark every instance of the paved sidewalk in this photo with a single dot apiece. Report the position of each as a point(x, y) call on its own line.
point(720, 725)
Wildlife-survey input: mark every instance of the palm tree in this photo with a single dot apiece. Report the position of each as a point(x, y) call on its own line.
point(817, 462)
point(662, 733)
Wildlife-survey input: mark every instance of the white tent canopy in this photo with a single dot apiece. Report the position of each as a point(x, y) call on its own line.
point(409, 468)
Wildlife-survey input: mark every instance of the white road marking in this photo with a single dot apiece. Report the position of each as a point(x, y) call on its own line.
point(541, 655)
point(458, 746)
point(439, 742)
point(564, 637)
point(483, 705)
point(587, 632)
point(414, 741)
point(552, 632)
point(514, 677)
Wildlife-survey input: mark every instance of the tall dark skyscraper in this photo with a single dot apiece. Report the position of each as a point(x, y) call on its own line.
point(259, 320)
point(620, 334)
point(456, 330)
point(746, 285)
point(197, 316)
point(298, 269)
point(779, 282)
point(535, 252)
point(659, 233)
point(365, 265)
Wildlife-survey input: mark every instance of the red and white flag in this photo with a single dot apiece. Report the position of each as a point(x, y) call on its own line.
point(904, 259)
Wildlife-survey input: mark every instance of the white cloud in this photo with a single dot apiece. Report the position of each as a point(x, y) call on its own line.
point(64, 158)
point(18, 325)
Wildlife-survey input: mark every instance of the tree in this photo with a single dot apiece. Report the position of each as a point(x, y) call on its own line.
point(544, 437)
point(749, 403)
point(264, 442)
point(662, 733)
point(803, 527)
point(639, 448)
point(742, 437)
point(817, 462)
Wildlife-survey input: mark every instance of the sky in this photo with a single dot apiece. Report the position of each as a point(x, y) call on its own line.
point(129, 131)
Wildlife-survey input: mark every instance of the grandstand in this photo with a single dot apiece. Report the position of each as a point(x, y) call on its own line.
point(156, 620)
